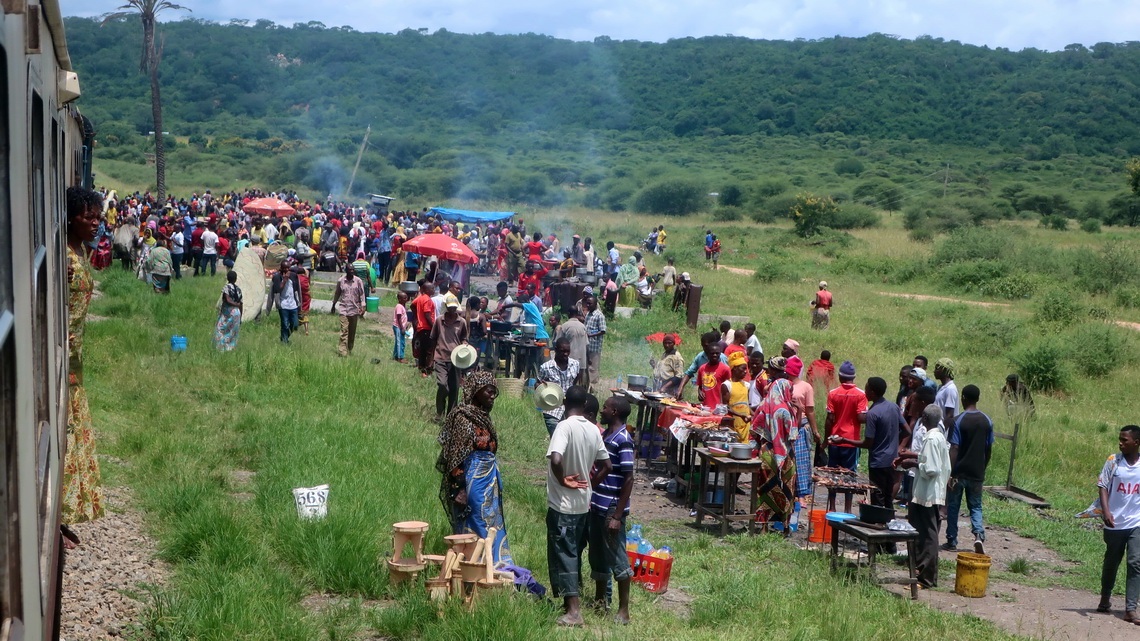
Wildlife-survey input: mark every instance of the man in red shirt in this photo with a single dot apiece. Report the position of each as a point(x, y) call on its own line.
point(535, 248)
point(846, 410)
point(424, 309)
point(532, 279)
point(710, 377)
point(821, 371)
point(821, 307)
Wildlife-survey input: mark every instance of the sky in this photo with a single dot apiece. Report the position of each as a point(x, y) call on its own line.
point(1014, 24)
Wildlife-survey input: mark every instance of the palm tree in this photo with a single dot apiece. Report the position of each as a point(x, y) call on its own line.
point(147, 11)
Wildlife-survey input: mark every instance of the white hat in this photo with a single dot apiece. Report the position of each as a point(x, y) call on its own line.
point(684, 275)
point(548, 396)
point(823, 284)
point(464, 356)
point(451, 304)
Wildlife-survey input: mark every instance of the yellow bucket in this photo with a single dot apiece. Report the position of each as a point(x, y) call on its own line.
point(973, 574)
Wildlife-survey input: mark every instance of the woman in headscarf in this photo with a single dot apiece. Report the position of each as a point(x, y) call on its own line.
point(774, 428)
point(82, 490)
point(626, 279)
point(229, 315)
point(471, 490)
point(159, 264)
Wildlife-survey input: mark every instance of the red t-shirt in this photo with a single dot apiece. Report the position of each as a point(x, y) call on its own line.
point(710, 377)
point(823, 299)
point(424, 308)
point(845, 403)
point(525, 281)
point(821, 371)
point(534, 250)
point(733, 348)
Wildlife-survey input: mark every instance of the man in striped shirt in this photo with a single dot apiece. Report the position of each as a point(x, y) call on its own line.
point(609, 507)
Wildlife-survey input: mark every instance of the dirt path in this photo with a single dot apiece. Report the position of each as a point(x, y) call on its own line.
point(944, 299)
point(1128, 324)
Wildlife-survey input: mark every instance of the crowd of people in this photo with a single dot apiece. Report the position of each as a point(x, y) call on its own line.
point(928, 449)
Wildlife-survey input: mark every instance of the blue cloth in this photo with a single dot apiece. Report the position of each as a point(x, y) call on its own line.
point(804, 453)
point(485, 502)
point(524, 578)
point(531, 314)
point(475, 217)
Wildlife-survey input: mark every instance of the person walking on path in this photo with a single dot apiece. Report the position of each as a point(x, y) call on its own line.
point(1119, 485)
point(971, 444)
point(424, 310)
point(348, 301)
point(285, 292)
point(575, 447)
point(399, 327)
point(229, 315)
point(821, 307)
point(932, 471)
point(595, 334)
point(448, 332)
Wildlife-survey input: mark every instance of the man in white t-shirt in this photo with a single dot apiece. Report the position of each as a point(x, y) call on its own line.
point(575, 446)
point(1119, 485)
point(947, 395)
point(209, 251)
point(753, 343)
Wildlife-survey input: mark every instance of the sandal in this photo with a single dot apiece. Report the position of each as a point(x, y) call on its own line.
point(1131, 617)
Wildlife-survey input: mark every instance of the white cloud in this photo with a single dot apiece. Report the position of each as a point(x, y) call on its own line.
point(1015, 24)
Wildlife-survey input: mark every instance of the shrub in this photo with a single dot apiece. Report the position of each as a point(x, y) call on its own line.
point(1091, 225)
point(1117, 262)
point(853, 216)
point(727, 214)
point(1012, 286)
point(1127, 297)
point(1041, 365)
point(671, 197)
point(778, 207)
point(1055, 221)
point(1097, 349)
point(985, 332)
point(971, 275)
point(811, 212)
point(974, 243)
point(848, 166)
point(770, 188)
point(921, 235)
point(731, 196)
point(1057, 307)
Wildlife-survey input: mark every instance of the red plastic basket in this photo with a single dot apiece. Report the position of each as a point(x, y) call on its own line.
point(651, 572)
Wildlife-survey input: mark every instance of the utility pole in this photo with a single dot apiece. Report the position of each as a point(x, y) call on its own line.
point(359, 155)
point(945, 179)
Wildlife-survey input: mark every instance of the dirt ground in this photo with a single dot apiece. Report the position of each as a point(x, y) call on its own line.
point(1056, 613)
point(944, 299)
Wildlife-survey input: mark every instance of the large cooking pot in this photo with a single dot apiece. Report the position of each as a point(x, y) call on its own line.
point(581, 271)
point(589, 279)
point(637, 383)
point(740, 451)
point(528, 330)
point(869, 513)
point(409, 287)
point(501, 327)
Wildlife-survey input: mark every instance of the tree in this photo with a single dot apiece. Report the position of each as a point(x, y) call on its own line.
point(147, 11)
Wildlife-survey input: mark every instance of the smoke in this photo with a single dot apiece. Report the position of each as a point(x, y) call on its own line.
point(329, 175)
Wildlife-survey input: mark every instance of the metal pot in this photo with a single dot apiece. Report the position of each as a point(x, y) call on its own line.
point(409, 287)
point(528, 330)
point(637, 383)
point(589, 279)
point(740, 451)
point(581, 271)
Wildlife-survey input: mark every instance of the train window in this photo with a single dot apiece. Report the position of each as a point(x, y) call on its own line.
point(5, 209)
point(37, 171)
point(41, 359)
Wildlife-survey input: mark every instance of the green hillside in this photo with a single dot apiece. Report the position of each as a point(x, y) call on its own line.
point(536, 119)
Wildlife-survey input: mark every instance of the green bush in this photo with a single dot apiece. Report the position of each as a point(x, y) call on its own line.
point(730, 196)
point(848, 166)
point(985, 333)
point(811, 212)
point(1012, 286)
point(1116, 263)
point(1041, 365)
point(1057, 307)
point(1097, 349)
point(1091, 225)
point(1127, 297)
point(1055, 221)
point(974, 243)
point(671, 197)
point(770, 188)
point(727, 214)
point(777, 207)
point(853, 216)
point(972, 275)
point(921, 235)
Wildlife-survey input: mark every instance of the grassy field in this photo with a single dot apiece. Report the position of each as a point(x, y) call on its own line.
point(298, 416)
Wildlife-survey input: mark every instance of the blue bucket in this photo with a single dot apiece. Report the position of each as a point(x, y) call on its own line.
point(177, 343)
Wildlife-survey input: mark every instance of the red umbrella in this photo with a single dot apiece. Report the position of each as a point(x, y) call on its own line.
point(268, 207)
point(443, 246)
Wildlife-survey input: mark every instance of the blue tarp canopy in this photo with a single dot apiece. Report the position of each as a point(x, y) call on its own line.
point(474, 217)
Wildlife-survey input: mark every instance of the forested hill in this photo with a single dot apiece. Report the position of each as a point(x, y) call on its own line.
point(263, 80)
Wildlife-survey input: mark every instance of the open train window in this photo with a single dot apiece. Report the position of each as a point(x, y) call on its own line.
point(5, 205)
point(36, 175)
point(11, 605)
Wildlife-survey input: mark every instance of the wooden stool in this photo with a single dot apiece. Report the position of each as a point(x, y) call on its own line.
point(464, 543)
point(404, 533)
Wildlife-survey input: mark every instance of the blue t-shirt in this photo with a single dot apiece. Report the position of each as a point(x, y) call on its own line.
point(884, 420)
point(532, 315)
point(620, 447)
point(411, 260)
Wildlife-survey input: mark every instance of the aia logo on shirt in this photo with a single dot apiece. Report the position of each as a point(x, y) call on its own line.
point(1128, 488)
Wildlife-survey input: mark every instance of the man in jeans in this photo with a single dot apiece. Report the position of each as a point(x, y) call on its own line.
point(575, 447)
point(609, 509)
point(209, 250)
point(595, 334)
point(285, 292)
point(1119, 486)
point(971, 443)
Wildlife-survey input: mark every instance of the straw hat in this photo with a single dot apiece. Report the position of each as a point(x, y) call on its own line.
point(548, 396)
point(464, 356)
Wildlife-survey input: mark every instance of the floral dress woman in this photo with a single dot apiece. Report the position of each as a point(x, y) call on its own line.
point(471, 489)
point(229, 317)
point(82, 494)
point(773, 426)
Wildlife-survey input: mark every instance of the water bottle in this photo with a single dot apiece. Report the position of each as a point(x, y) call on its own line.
point(633, 538)
point(644, 547)
point(619, 382)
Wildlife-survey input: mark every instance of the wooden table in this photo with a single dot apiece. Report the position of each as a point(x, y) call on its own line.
point(648, 411)
point(732, 469)
point(874, 538)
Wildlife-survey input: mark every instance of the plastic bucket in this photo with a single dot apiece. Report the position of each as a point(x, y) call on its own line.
point(973, 575)
point(820, 529)
point(177, 343)
point(372, 304)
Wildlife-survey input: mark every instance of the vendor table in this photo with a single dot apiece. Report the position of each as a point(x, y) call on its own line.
point(645, 421)
point(518, 359)
point(875, 537)
point(732, 469)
